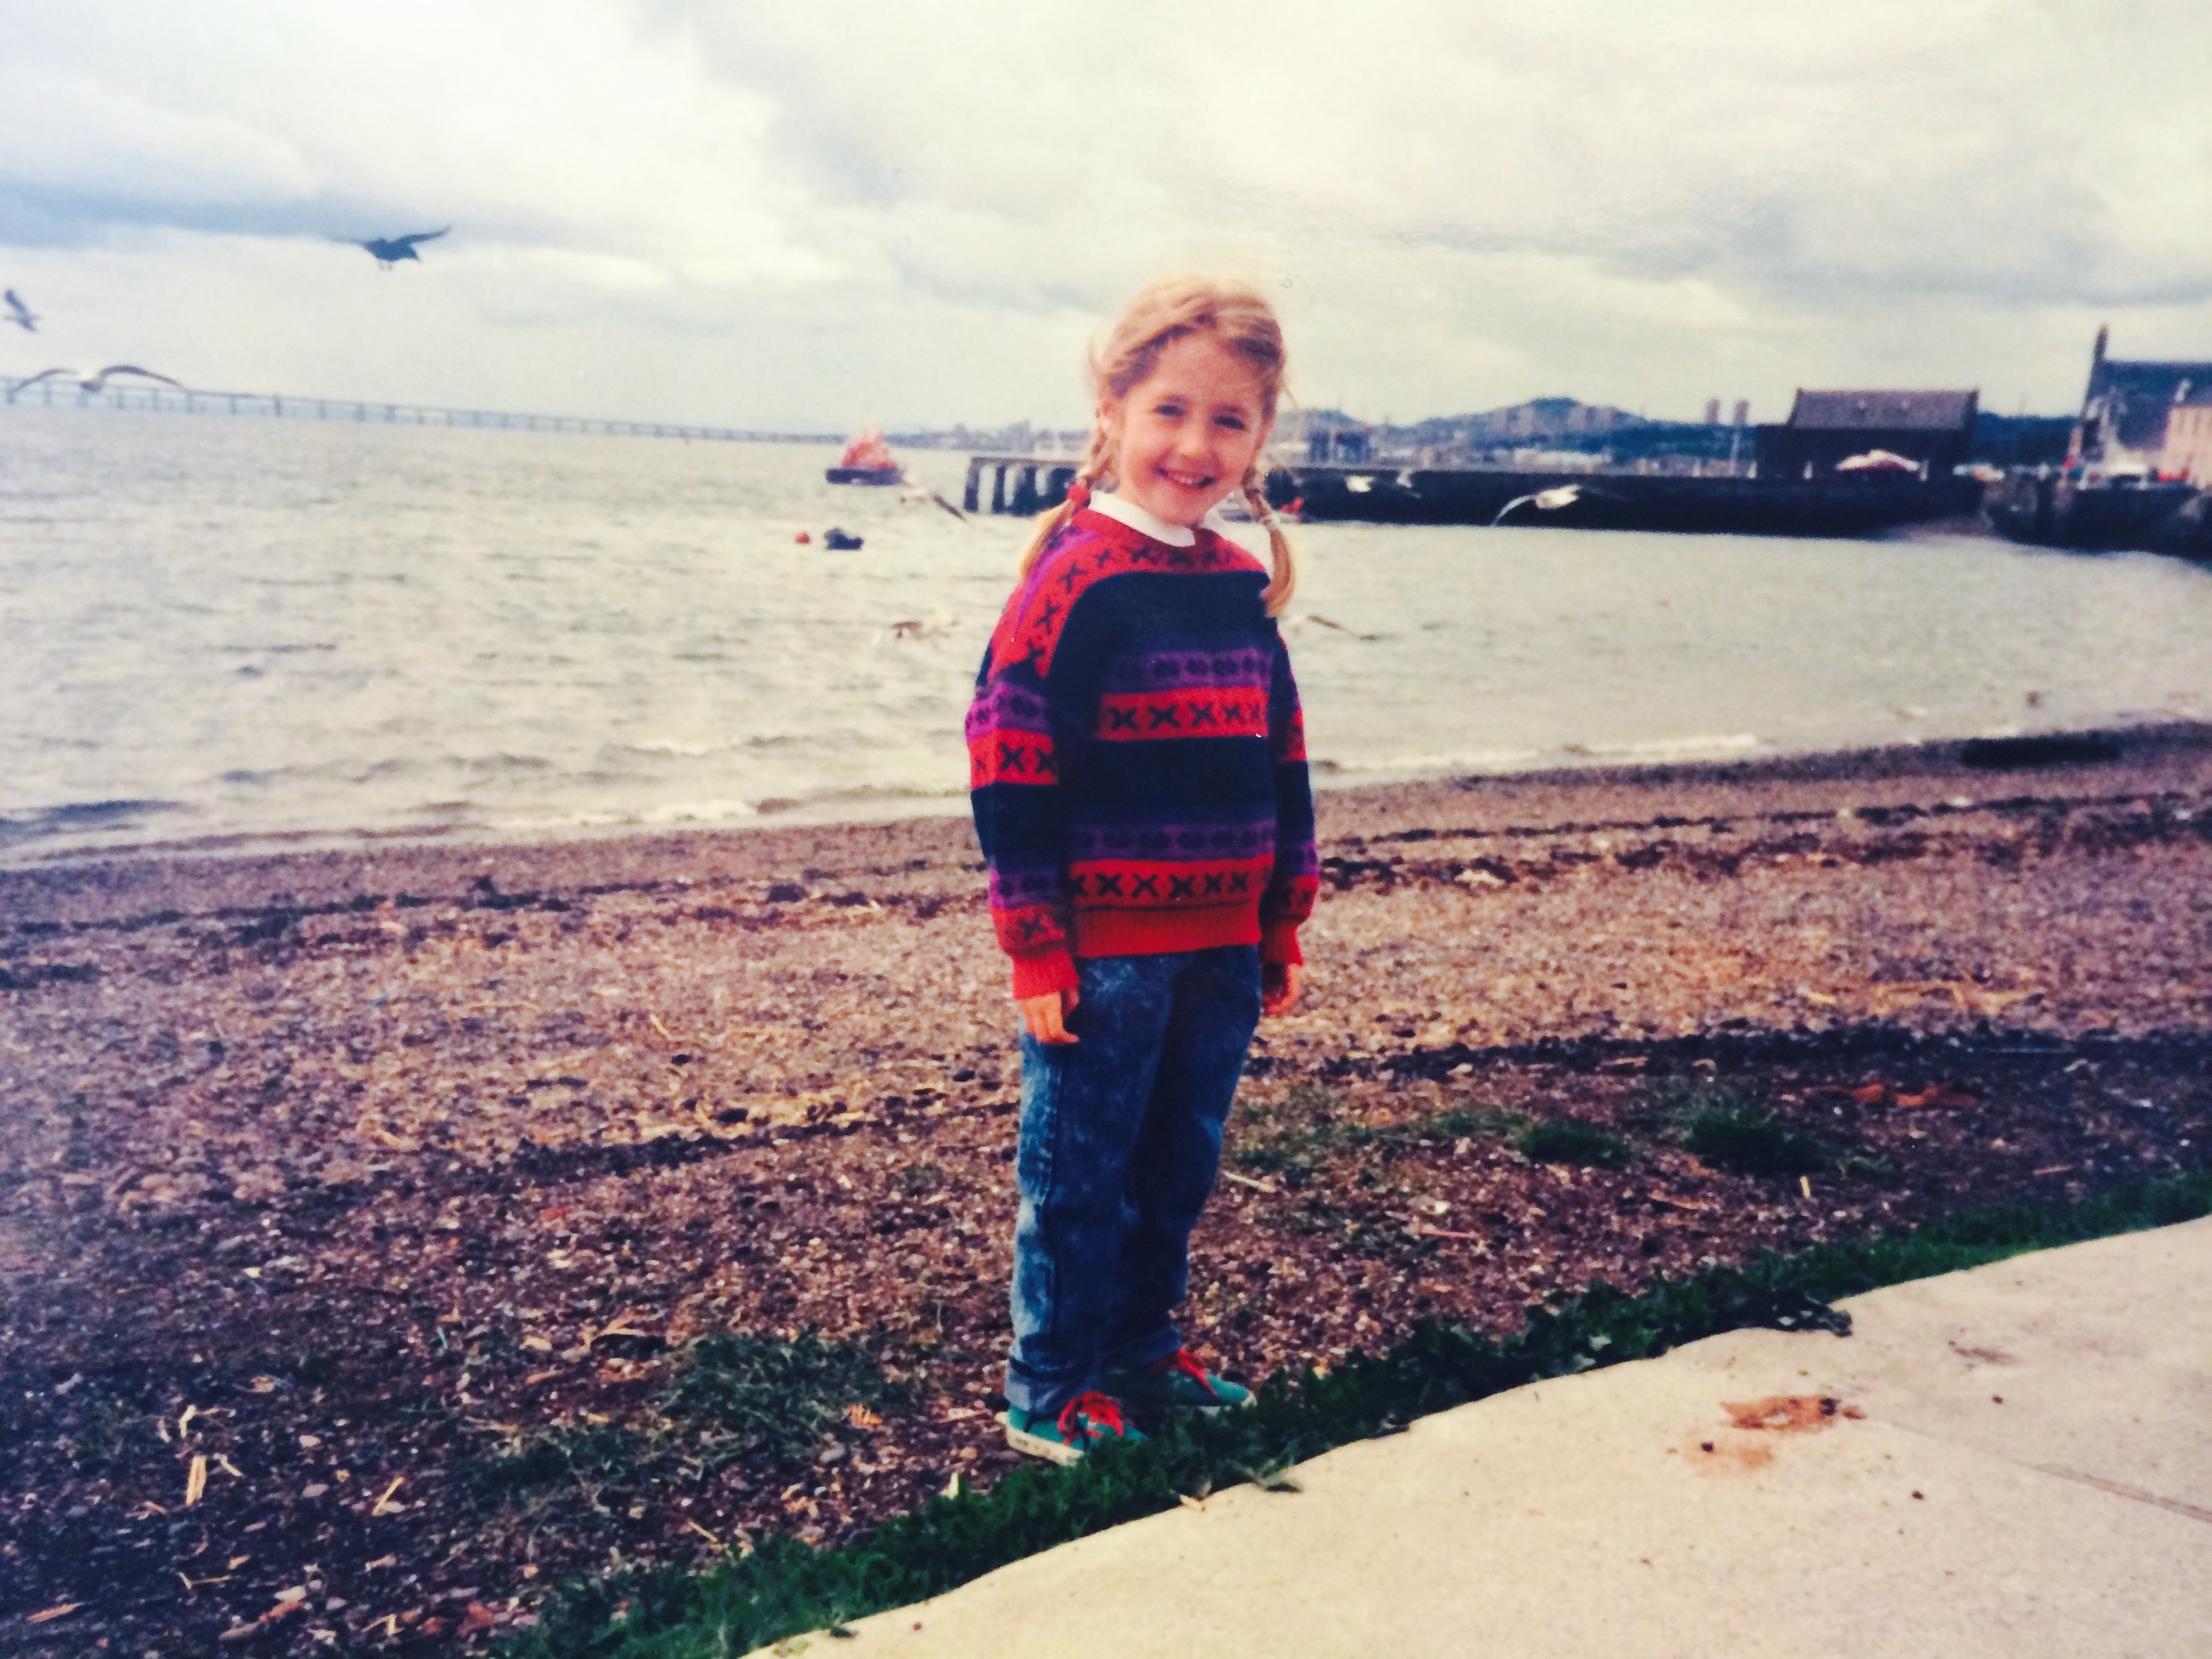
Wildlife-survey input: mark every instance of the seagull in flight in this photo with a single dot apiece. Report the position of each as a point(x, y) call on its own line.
point(1544, 501)
point(19, 313)
point(389, 251)
point(92, 382)
point(1550, 500)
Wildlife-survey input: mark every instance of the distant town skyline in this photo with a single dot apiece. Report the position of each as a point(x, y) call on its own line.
point(781, 218)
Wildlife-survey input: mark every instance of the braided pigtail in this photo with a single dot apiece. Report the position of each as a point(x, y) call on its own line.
point(1283, 572)
point(1096, 454)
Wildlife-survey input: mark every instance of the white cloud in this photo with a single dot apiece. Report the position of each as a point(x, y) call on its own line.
point(537, 123)
point(67, 136)
point(798, 216)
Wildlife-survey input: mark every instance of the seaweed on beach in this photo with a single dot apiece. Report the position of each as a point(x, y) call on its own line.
point(1566, 1140)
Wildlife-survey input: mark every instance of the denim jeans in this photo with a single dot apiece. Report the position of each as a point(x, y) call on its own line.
point(1121, 1137)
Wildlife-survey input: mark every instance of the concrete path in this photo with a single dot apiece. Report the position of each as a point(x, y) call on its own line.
point(2019, 1461)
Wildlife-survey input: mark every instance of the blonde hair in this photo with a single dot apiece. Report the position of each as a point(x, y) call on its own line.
point(1242, 320)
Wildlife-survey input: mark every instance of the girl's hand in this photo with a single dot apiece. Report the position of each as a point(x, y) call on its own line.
point(1045, 1018)
point(1279, 985)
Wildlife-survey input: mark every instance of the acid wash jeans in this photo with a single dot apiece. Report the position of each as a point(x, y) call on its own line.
point(1120, 1137)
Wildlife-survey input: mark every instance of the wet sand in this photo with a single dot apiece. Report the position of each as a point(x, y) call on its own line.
point(409, 1162)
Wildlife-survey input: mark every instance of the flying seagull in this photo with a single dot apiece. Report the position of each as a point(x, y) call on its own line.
point(19, 313)
point(1550, 500)
point(389, 251)
point(92, 382)
point(915, 492)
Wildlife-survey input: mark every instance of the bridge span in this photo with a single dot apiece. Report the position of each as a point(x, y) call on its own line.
point(287, 406)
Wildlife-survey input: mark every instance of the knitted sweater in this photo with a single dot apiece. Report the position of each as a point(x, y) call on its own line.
point(1136, 755)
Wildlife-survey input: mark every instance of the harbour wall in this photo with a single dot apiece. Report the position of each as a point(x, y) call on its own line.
point(1028, 484)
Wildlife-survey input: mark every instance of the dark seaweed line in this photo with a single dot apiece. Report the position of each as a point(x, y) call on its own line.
point(2173, 817)
point(2095, 835)
point(2171, 811)
point(1750, 1046)
point(2185, 1051)
point(270, 924)
point(2170, 801)
point(536, 1165)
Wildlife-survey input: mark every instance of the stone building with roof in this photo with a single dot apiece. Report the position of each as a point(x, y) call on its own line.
point(1933, 430)
point(2147, 420)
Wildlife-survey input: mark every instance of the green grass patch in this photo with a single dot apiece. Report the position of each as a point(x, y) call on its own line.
point(1753, 1141)
point(732, 1397)
point(920, 1180)
point(785, 1587)
point(585, 1459)
point(1466, 1122)
point(1731, 1131)
point(1294, 1138)
point(1671, 1101)
point(1565, 1140)
point(741, 1394)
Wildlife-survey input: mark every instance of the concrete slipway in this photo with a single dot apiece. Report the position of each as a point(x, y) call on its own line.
point(2019, 1461)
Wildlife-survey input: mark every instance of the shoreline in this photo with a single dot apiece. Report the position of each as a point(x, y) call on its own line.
point(1358, 800)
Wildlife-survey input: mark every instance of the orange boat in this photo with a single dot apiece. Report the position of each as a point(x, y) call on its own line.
point(867, 460)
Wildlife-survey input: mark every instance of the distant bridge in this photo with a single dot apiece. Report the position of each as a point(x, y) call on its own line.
point(283, 406)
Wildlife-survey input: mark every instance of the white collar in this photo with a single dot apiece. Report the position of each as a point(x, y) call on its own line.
point(1175, 535)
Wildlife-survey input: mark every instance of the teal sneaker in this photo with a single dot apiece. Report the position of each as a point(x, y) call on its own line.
point(1178, 1382)
point(1090, 1419)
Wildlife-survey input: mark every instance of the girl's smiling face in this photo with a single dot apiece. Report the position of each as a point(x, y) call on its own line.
point(1185, 435)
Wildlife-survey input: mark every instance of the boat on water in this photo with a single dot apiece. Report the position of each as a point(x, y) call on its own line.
point(2136, 470)
point(867, 460)
point(2061, 508)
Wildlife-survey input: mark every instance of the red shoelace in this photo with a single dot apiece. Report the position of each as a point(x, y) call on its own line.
point(1092, 1416)
point(1186, 1361)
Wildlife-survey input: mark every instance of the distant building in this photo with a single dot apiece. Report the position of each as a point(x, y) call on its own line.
point(1346, 442)
point(2188, 450)
point(2143, 419)
point(1933, 429)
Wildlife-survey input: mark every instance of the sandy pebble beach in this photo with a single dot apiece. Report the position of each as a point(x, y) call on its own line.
point(413, 1172)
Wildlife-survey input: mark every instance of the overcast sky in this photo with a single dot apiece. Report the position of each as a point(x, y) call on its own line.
point(804, 216)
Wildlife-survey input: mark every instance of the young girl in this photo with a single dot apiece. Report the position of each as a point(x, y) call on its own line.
point(1137, 766)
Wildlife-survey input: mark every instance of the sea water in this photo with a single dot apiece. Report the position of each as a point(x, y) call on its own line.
point(232, 631)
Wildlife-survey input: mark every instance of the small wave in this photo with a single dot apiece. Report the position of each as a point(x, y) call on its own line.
point(860, 795)
point(668, 814)
point(80, 817)
point(582, 818)
point(668, 746)
point(1702, 747)
point(1477, 760)
point(346, 770)
point(501, 764)
point(698, 811)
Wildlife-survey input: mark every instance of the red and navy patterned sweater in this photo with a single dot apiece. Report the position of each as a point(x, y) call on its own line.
point(1136, 757)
